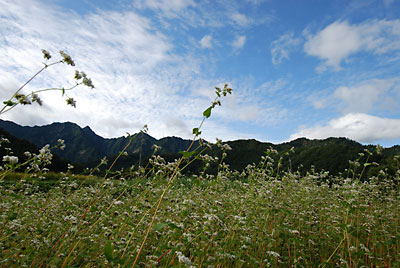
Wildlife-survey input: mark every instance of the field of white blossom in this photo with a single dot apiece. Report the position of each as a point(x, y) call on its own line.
point(252, 219)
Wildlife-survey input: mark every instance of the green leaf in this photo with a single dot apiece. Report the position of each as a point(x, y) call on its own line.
point(173, 225)
point(108, 251)
point(367, 164)
point(9, 103)
point(207, 113)
point(159, 226)
point(13, 216)
point(196, 131)
point(187, 154)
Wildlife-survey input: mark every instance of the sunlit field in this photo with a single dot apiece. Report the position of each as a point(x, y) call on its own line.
point(251, 219)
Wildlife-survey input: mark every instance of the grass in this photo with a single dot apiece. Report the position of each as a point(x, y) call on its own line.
point(253, 221)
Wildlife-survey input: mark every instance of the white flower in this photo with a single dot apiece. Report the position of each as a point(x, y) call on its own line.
point(273, 253)
point(183, 259)
point(61, 143)
point(11, 159)
point(227, 147)
point(4, 140)
point(45, 155)
point(104, 161)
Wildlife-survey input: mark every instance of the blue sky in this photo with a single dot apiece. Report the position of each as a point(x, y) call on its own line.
point(311, 69)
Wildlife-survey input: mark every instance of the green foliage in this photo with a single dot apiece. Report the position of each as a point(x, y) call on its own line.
point(207, 112)
point(187, 154)
point(108, 252)
point(298, 220)
point(85, 148)
point(196, 131)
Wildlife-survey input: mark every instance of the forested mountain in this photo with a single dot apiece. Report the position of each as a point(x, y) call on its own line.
point(84, 146)
point(87, 148)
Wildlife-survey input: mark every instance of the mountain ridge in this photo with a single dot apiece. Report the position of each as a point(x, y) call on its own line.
point(85, 147)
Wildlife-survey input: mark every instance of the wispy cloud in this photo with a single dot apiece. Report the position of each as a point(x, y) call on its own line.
point(137, 77)
point(368, 96)
point(205, 42)
point(239, 42)
point(256, 2)
point(340, 40)
point(205, 14)
point(272, 86)
point(156, 62)
point(240, 19)
point(169, 8)
point(281, 48)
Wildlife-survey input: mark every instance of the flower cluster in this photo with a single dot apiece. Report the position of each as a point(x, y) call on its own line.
point(66, 58)
point(85, 80)
point(10, 159)
point(45, 155)
point(27, 99)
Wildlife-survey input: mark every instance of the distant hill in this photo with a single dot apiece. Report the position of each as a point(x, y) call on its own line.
point(86, 148)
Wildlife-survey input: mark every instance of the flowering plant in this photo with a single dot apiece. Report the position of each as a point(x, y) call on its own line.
point(26, 99)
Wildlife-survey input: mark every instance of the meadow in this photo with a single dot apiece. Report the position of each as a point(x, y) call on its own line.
point(251, 219)
point(154, 216)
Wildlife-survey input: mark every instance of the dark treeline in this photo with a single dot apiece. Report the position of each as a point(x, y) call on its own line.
point(85, 149)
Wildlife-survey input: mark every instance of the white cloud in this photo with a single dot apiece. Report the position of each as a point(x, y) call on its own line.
point(381, 36)
point(138, 79)
point(281, 47)
point(272, 86)
point(246, 107)
point(356, 126)
point(334, 43)
point(256, 2)
point(318, 101)
point(205, 42)
point(319, 104)
point(367, 96)
point(340, 40)
point(240, 19)
point(250, 112)
point(203, 14)
point(177, 125)
point(239, 42)
point(170, 8)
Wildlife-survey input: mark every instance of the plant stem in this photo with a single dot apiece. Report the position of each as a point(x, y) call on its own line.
point(29, 80)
